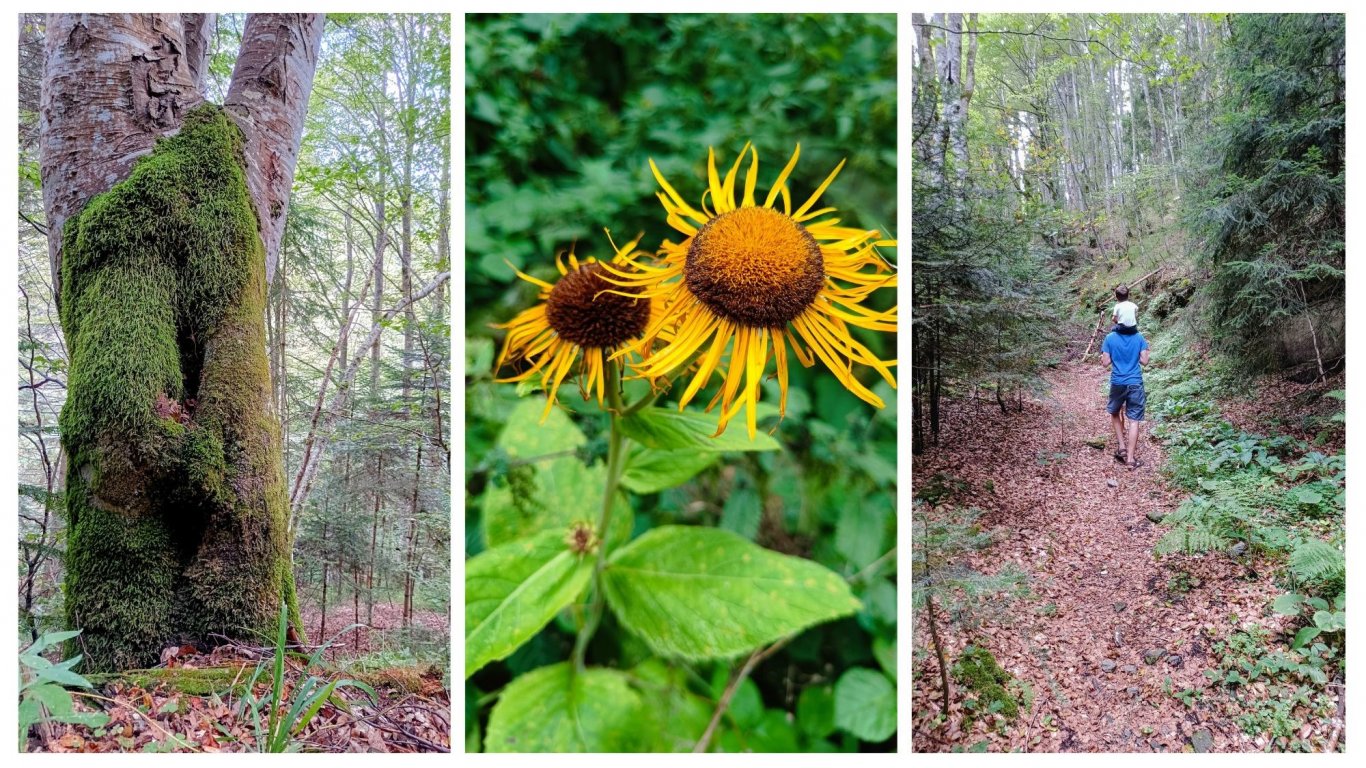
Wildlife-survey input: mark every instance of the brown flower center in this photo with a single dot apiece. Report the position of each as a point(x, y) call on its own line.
point(580, 311)
point(755, 266)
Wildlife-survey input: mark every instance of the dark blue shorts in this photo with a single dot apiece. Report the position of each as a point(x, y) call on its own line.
point(1130, 397)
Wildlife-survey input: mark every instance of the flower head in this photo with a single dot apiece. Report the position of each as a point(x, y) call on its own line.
point(580, 315)
point(748, 275)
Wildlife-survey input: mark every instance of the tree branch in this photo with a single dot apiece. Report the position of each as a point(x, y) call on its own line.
point(721, 706)
point(1036, 33)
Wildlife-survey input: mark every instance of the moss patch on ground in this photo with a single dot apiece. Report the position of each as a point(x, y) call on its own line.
point(995, 689)
point(193, 682)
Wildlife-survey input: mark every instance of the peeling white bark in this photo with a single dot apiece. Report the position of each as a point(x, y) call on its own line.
point(112, 84)
point(268, 97)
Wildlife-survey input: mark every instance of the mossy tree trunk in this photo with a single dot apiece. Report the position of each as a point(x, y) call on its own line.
point(178, 516)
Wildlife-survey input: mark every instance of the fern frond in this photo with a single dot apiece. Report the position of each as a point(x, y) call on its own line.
point(1315, 560)
point(1191, 539)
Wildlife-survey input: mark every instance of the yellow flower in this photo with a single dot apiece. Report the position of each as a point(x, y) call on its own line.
point(580, 313)
point(753, 274)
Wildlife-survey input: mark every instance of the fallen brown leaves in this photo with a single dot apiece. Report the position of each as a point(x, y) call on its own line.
point(1087, 546)
point(148, 713)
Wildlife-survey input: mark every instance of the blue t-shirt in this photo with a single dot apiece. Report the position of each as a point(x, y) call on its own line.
point(1123, 351)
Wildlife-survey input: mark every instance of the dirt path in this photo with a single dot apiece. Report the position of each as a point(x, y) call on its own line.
point(1076, 521)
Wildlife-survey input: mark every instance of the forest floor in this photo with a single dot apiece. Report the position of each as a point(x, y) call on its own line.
point(198, 702)
point(1076, 521)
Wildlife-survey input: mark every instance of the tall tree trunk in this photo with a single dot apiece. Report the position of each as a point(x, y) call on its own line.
point(414, 507)
point(322, 628)
point(374, 539)
point(177, 514)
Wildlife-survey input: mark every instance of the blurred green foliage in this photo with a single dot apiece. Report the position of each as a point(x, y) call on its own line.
point(563, 113)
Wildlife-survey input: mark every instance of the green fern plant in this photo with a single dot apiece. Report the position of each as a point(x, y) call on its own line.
point(1314, 561)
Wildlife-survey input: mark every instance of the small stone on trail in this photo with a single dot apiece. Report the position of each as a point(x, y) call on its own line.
point(1121, 605)
point(1152, 656)
point(1238, 549)
point(1113, 483)
point(1128, 669)
point(1202, 740)
point(1156, 516)
point(1133, 691)
point(1174, 659)
point(1107, 665)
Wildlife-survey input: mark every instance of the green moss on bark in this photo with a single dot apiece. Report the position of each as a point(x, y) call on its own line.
point(178, 517)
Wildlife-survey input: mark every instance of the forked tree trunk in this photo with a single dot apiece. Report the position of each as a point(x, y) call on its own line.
point(177, 511)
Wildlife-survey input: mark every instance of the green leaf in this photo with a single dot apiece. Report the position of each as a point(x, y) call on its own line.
point(478, 355)
point(1287, 604)
point(29, 714)
point(550, 493)
point(56, 698)
point(552, 709)
point(773, 733)
point(865, 704)
point(861, 533)
point(816, 711)
point(1330, 622)
point(746, 704)
point(525, 436)
point(1308, 495)
point(884, 651)
point(649, 470)
point(1317, 560)
point(879, 600)
point(741, 513)
point(667, 429)
point(1304, 636)
point(675, 718)
point(560, 492)
point(512, 591)
point(62, 676)
point(49, 639)
point(702, 593)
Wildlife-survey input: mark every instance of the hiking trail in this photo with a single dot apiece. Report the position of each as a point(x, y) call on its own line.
point(1076, 521)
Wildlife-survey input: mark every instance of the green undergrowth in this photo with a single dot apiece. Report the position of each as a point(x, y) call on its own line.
point(176, 500)
point(1273, 693)
point(1271, 502)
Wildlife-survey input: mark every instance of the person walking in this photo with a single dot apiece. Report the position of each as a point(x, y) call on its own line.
point(1125, 355)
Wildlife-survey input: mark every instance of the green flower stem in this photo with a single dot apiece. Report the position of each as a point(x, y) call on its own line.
point(616, 463)
point(656, 391)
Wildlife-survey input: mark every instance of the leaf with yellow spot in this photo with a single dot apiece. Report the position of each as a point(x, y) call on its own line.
point(701, 593)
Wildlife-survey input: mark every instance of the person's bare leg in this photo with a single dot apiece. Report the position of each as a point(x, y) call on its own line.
point(1117, 419)
point(1133, 441)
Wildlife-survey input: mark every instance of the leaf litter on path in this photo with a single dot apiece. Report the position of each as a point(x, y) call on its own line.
point(1079, 524)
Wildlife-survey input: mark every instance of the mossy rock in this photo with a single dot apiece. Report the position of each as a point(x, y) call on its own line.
point(996, 690)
